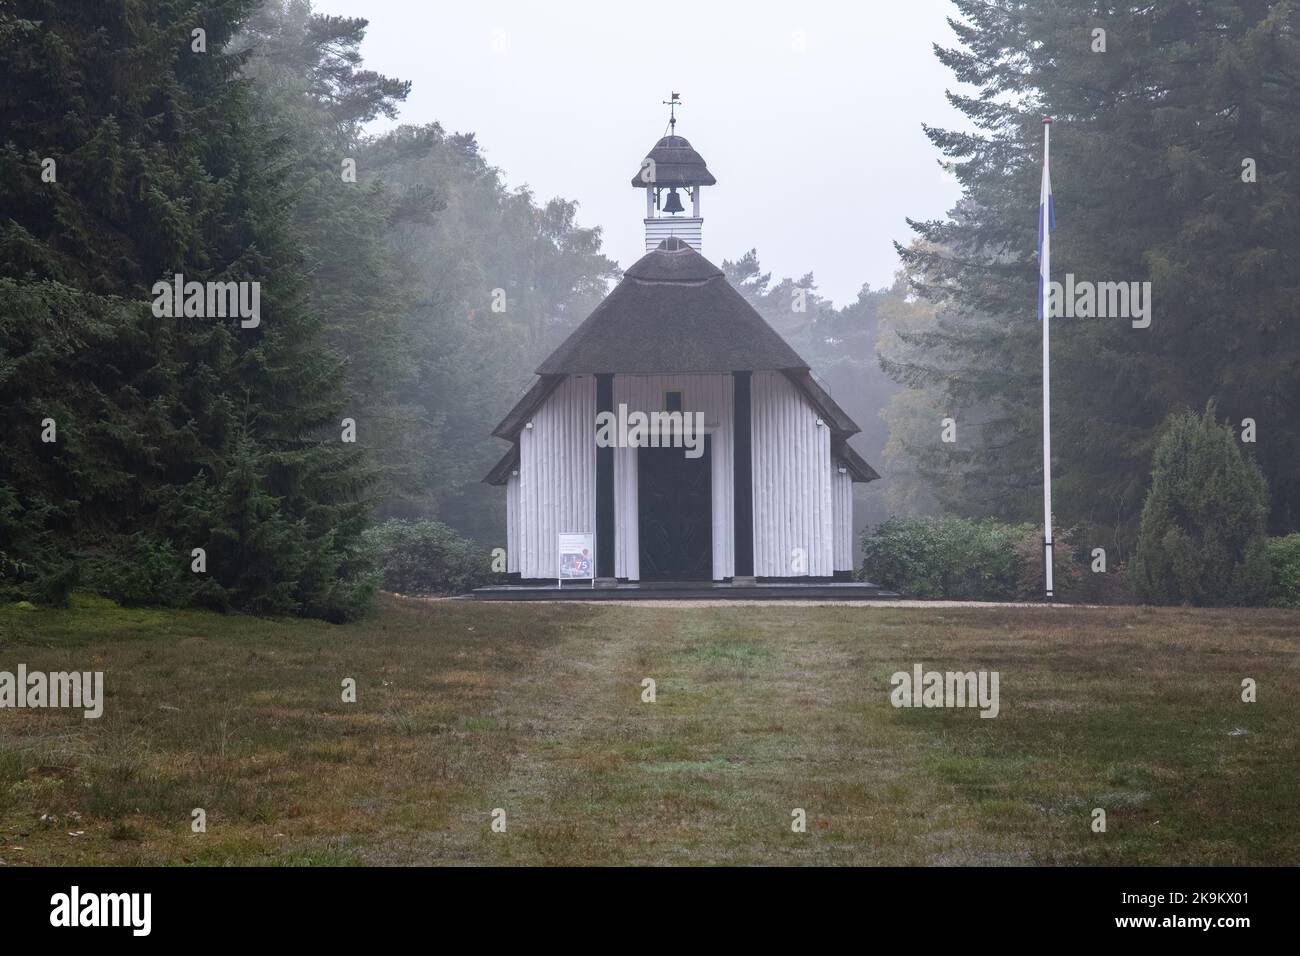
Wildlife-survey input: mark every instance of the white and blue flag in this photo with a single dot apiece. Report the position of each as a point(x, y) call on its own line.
point(1046, 223)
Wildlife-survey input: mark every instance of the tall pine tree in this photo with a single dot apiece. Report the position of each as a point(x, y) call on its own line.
point(1151, 181)
point(173, 434)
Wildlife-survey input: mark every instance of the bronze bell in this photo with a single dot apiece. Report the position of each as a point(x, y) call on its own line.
point(674, 202)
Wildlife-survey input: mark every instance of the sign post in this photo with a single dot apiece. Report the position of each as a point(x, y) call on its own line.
point(577, 557)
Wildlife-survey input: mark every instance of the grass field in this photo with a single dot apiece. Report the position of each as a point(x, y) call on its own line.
point(536, 709)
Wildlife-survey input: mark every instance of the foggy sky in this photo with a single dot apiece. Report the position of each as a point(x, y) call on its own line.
point(818, 151)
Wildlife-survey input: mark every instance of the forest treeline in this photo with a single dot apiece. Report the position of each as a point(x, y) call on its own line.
point(195, 460)
point(1174, 145)
point(206, 461)
point(379, 262)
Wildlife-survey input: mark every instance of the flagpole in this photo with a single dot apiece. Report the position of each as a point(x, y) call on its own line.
point(1045, 272)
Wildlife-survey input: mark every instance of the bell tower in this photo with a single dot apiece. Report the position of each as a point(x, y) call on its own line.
point(671, 170)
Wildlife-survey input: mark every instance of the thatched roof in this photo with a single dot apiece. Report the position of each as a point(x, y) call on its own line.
point(500, 473)
point(674, 311)
point(524, 408)
point(858, 468)
point(676, 164)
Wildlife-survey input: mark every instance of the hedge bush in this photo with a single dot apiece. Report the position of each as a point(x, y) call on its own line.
point(1284, 560)
point(965, 559)
point(427, 557)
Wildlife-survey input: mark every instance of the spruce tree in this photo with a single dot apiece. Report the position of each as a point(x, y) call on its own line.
point(1149, 170)
point(1203, 537)
point(163, 166)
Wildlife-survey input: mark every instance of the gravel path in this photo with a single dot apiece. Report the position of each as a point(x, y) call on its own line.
point(813, 602)
point(807, 602)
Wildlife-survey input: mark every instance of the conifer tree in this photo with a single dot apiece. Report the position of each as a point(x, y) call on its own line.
point(161, 166)
point(1150, 145)
point(1203, 537)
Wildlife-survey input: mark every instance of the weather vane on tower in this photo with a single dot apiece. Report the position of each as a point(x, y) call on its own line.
point(672, 105)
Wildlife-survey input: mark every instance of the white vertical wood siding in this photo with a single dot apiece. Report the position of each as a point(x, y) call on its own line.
point(687, 230)
point(800, 500)
point(557, 474)
point(627, 553)
point(512, 524)
point(842, 486)
point(711, 394)
point(792, 481)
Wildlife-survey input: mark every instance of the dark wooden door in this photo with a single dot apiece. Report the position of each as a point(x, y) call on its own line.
point(676, 520)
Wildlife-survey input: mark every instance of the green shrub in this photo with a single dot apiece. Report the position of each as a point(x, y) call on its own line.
point(1091, 587)
point(32, 565)
point(1202, 538)
point(427, 557)
point(954, 558)
point(258, 559)
point(1284, 560)
point(983, 560)
point(1072, 578)
point(139, 570)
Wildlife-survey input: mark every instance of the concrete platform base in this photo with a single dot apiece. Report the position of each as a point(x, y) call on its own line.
point(686, 590)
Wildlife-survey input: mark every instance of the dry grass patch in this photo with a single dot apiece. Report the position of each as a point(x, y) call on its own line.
point(537, 709)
